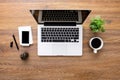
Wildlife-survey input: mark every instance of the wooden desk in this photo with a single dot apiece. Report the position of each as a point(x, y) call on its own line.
point(102, 66)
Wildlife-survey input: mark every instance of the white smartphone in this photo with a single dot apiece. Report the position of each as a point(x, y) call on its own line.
point(25, 35)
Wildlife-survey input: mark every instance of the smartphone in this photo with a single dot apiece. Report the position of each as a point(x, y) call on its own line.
point(25, 35)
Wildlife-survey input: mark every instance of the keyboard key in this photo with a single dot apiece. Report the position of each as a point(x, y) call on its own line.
point(58, 41)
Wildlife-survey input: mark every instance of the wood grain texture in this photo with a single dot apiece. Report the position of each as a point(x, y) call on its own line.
point(103, 66)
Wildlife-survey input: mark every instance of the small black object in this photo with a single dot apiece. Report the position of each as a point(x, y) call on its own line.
point(24, 56)
point(25, 37)
point(11, 44)
point(15, 42)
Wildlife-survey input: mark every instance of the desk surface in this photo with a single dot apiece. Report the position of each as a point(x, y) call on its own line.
point(102, 66)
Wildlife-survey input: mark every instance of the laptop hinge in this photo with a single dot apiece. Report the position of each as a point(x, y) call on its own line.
point(59, 23)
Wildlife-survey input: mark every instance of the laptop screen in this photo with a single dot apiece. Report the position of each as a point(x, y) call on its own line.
point(56, 16)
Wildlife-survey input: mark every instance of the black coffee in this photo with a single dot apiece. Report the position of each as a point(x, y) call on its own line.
point(96, 43)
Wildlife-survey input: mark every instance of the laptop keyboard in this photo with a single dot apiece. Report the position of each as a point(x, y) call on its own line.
point(60, 34)
point(60, 15)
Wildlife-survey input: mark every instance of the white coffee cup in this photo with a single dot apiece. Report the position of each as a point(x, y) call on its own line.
point(96, 43)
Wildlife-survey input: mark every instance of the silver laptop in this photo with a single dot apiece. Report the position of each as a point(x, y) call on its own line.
point(60, 32)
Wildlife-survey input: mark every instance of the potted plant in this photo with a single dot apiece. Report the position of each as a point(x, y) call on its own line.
point(97, 24)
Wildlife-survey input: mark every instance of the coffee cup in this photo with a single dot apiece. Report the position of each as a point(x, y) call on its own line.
point(96, 43)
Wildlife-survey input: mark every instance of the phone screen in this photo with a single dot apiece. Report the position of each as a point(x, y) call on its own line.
point(25, 37)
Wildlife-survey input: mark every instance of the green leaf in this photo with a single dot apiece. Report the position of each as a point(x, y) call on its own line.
point(96, 24)
point(93, 26)
point(102, 29)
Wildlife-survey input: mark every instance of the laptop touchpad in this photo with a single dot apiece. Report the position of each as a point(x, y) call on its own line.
point(59, 49)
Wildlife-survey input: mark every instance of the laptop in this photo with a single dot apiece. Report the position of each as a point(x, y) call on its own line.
point(60, 32)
